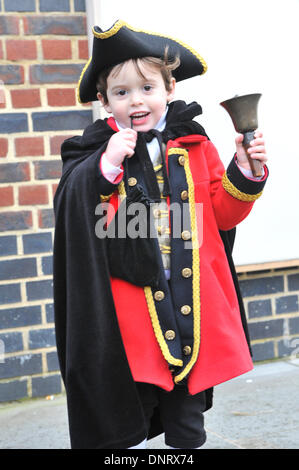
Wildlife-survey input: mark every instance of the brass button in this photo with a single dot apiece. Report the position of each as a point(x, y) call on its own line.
point(184, 195)
point(185, 309)
point(157, 213)
point(181, 160)
point(186, 235)
point(132, 181)
point(187, 350)
point(169, 334)
point(159, 295)
point(186, 272)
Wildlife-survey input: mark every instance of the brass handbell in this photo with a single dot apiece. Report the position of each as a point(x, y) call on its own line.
point(243, 112)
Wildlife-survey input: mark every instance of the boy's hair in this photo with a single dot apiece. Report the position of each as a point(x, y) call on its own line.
point(165, 65)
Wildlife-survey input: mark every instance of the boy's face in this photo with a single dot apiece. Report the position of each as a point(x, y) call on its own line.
point(132, 96)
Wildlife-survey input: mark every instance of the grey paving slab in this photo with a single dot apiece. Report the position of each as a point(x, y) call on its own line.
point(259, 410)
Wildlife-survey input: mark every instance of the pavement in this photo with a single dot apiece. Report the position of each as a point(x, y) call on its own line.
point(258, 410)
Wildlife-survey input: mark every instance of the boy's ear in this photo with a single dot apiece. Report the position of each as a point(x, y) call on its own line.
point(105, 105)
point(171, 92)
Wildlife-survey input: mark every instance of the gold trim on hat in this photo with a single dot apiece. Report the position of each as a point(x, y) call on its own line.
point(121, 24)
point(80, 80)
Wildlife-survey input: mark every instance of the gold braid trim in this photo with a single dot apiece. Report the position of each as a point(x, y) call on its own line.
point(158, 167)
point(157, 329)
point(80, 79)
point(176, 151)
point(122, 190)
point(235, 192)
point(195, 267)
point(120, 24)
point(111, 32)
point(165, 250)
point(105, 198)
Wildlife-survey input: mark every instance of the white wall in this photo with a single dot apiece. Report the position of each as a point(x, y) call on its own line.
point(249, 46)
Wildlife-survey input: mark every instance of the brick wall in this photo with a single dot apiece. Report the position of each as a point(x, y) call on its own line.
point(43, 47)
point(271, 303)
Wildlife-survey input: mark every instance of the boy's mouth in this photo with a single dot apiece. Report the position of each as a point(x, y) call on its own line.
point(139, 116)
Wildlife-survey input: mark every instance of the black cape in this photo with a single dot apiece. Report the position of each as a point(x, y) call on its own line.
point(103, 406)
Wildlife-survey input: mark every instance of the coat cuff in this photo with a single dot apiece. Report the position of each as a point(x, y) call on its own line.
point(107, 187)
point(241, 187)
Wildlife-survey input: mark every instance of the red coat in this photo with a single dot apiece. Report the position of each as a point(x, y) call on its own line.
point(213, 329)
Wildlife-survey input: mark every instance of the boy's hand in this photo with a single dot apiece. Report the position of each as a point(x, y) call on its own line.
point(121, 145)
point(256, 151)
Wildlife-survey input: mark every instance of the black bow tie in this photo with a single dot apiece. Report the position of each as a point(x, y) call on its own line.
point(148, 138)
point(178, 123)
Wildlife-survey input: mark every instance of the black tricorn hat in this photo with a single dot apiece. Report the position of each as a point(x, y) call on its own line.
point(123, 42)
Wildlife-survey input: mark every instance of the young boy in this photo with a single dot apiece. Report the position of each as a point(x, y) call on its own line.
point(137, 361)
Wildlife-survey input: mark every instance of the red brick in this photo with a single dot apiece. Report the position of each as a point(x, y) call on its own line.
point(3, 147)
point(55, 143)
point(55, 49)
point(54, 188)
point(25, 98)
point(83, 49)
point(2, 99)
point(17, 49)
point(29, 146)
point(61, 97)
point(6, 196)
point(37, 194)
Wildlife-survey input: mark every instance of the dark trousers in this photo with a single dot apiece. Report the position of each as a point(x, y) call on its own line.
point(181, 414)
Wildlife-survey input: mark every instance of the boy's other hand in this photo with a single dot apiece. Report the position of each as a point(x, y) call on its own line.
point(121, 145)
point(256, 151)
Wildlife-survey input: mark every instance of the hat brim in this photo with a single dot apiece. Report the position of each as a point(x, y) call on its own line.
point(123, 42)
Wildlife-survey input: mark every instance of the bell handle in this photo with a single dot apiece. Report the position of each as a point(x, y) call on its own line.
point(255, 165)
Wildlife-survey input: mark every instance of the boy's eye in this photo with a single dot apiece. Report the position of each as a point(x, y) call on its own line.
point(121, 92)
point(147, 87)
